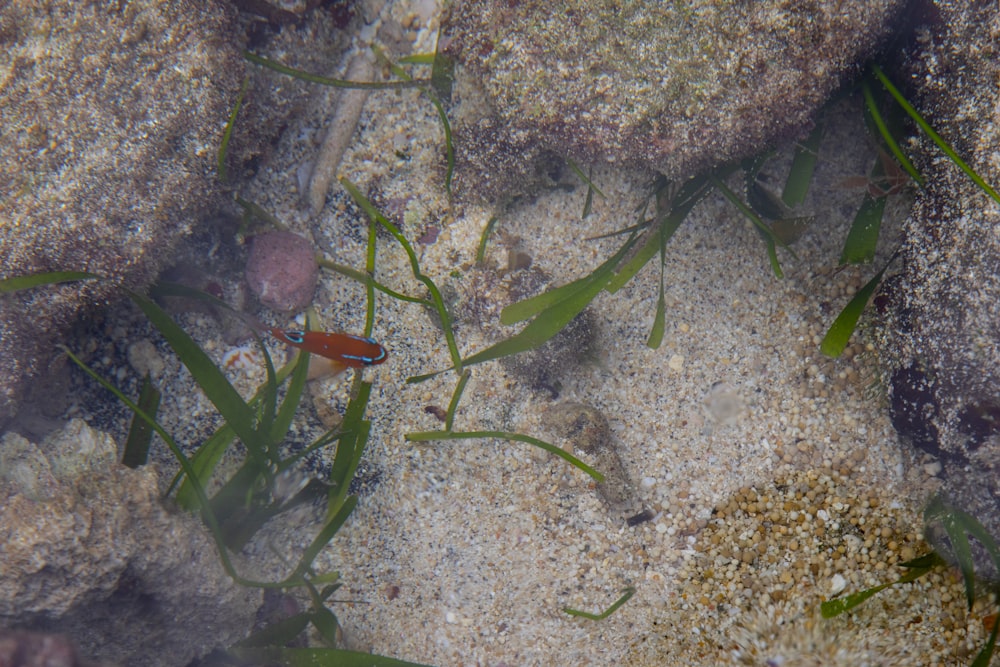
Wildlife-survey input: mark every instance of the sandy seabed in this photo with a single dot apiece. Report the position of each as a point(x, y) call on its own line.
point(770, 475)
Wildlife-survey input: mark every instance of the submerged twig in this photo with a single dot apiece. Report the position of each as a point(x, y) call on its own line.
point(350, 103)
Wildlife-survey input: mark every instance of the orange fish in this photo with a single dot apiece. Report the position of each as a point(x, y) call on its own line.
point(350, 351)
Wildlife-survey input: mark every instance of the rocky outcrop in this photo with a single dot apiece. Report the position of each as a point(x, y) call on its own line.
point(679, 87)
point(940, 336)
point(88, 550)
point(113, 115)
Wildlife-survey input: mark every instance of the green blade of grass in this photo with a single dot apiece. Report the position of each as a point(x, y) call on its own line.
point(668, 219)
point(765, 231)
point(325, 439)
point(659, 318)
point(330, 528)
point(293, 396)
point(449, 418)
point(417, 59)
point(651, 244)
point(958, 526)
point(934, 136)
point(875, 116)
point(326, 624)
point(546, 325)
point(266, 397)
point(772, 257)
point(228, 132)
point(203, 464)
point(367, 280)
point(140, 433)
point(553, 299)
point(426, 436)
point(212, 381)
point(253, 211)
point(862, 239)
point(585, 178)
point(18, 283)
point(442, 74)
point(803, 167)
point(269, 404)
point(317, 657)
point(484, 239)
point(326, 81)
point(440, 308)
point(588, 204)
point(442, 70)
point(839, 333)
point(626, 594)
point(831, 608)
point(205, 460)
point(449, 148)
point(431, 93)
point(371, 255)
point(351, 446)
point(591, 188)
point(659, 322)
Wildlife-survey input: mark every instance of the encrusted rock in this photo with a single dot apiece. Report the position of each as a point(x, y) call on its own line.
point(940, 339)
point(677, 86)
point(112, 116)
point(88, 550)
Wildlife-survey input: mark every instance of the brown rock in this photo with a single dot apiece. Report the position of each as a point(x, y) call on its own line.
point(112, 116)
point(88, 550)
point(679, 87)
point(282, 271)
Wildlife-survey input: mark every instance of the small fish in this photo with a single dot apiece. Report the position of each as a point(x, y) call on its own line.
point(351, 351)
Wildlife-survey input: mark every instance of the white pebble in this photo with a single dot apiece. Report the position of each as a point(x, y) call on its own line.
point(837, 584)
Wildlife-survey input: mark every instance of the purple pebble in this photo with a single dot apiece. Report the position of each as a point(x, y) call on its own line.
point(282, 271)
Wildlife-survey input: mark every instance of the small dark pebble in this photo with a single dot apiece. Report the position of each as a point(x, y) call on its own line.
point(438, 412)
point(640, 518)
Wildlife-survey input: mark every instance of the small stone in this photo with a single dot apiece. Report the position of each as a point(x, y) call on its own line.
point(837, 584)
point(145, 358)
point(282, 271)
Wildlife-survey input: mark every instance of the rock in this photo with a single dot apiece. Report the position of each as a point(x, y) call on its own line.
point(939, 341)
point(679, 87)
point(19, 648)
point(89, 551)
point(282, 271)
point(112, 114)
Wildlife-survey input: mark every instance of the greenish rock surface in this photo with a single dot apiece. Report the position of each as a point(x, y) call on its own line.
point(676, 86)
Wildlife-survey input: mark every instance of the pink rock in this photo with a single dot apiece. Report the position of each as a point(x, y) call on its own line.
point(282, 271)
